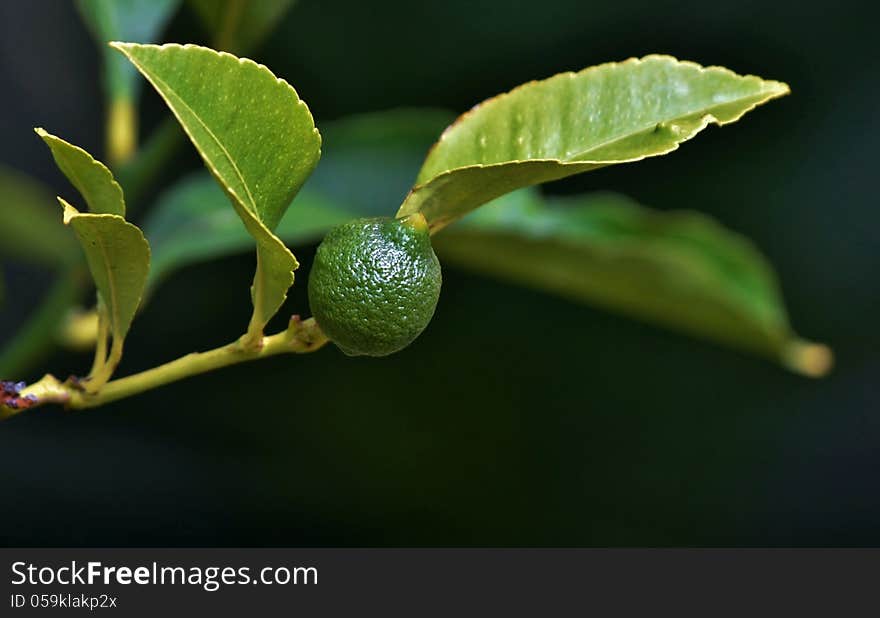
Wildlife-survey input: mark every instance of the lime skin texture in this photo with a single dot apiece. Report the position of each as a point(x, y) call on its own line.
point(374, 284)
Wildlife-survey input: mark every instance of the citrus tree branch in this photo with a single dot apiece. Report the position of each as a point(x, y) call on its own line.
point(301, 336)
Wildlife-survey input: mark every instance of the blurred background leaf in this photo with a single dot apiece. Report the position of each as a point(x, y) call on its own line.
point(677, 269)
point(30, 222)
point(32, 233)
point(136, 21)
point(370, 160)
point(192, 222)
point(35, 337)
point(239, 26)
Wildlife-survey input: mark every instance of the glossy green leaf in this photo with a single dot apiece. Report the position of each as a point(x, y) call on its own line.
point(90, 177)
point(119, 260)
point(30, 230)
point(240, 26)
point(255, 135)
point(576, 122)
point(679, 269)
point(369, 164)
point(141, 21)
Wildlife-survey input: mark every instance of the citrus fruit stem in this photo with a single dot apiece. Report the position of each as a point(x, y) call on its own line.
point(416, 221)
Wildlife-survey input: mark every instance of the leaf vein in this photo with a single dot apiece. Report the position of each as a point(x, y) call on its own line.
point(165, 85)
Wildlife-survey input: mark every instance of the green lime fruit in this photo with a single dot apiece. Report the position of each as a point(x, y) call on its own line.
point(374, 284)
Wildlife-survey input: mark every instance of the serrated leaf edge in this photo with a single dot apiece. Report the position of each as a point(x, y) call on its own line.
point(124, 47)
point(251, 214)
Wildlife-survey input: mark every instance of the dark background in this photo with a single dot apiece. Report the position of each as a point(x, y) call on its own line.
point(591, 430)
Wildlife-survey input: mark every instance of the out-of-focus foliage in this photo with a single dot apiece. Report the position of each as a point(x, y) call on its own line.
point(30, 224)
point(679, 269)
point(139, 21)
point(192, 222)
point(238, 26)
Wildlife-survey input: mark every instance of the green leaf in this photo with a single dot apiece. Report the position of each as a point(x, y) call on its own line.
point(29, 227)
point(90, 177)
point(240, 26)
point(679, 269)
point(116, 252)
point(370, 162)
point(255, 135)
point(576, 122)
point(124, 20)
point(119, 259)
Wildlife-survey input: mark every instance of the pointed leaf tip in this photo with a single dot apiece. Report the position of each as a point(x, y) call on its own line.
point(576, 122)
point(68, 211)
point(93, 179)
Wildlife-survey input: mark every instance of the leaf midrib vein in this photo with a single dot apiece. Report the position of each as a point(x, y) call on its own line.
point(111, 282)
point(165, 85)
